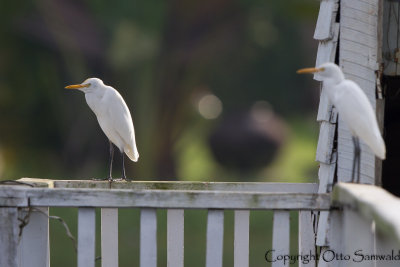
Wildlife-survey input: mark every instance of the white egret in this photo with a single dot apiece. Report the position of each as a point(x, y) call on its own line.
point(354, 108)
point(113, 116)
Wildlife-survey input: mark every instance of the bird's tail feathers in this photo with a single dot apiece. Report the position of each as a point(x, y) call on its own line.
point(379, 147)
point(132, 153)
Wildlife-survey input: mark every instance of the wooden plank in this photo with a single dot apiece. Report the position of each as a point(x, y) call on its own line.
point(326, 175)
point(9, 230)
point(241, 238)
point(368, 7)
point(358, 59)
point(323, 229)
point(34, 247)
point(306, 237)
point(109, 237)
point(357, 239)
point(325, 142)
point(358, 37)
point(391, 38)
point(326, 18)
point(175, 237)
point(335, 238)
point(181, 185)
point(56, 197)
point(346, 154)
point(215, 238)
point(148, 237)
point(327, 50)
point(280, 235)
point(373, 203)
point(86, 237)
point(363, 72)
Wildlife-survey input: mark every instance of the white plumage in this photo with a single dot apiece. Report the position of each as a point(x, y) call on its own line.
point(352, 105)
point(112, 114)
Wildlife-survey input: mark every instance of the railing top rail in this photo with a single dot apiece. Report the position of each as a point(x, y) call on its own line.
point(373, 203)
point(23, 196)
point(176, 185)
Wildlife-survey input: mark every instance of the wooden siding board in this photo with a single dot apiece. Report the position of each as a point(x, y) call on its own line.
point(391, 37)
point(358, 61)
point(368, 7)
point(326, 17)
point(327, 49)
point(325, 142)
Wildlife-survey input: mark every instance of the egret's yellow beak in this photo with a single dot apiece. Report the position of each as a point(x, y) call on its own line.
point(310, 70)
point(77, 86)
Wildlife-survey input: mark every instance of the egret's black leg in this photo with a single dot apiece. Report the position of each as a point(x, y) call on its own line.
point(356, 161)
point(111, 160)
point(123, 165)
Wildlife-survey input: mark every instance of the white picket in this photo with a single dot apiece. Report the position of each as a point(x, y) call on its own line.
point(148, 237)
point(280, 235)
point(86, 237)
point(34, 247)
point(175, 237)
point(241, 238)
point(215, 238)
point(109, 237)
point(9, 230)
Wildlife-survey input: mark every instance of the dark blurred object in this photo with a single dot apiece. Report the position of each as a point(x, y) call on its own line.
point(248, 141)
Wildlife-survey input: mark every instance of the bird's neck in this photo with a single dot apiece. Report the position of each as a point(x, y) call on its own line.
point(333, 80)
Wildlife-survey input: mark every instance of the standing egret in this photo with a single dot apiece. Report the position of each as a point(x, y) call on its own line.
point(354, 108)
point(113, 116)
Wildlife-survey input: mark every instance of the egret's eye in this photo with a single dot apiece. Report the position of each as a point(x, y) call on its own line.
point(87, 85)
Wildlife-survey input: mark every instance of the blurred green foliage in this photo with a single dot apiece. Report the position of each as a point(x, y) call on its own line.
point(159, 55)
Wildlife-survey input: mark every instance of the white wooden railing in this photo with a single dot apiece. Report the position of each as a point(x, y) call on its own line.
point(32, 248)
point(365, 229)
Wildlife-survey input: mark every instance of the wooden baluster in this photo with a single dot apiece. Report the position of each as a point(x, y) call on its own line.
point(215, 238)
point(9, 230)
point(306, 238)
point(34, 247)
point(109, 237)
point(280, 236)
point(86, 237)
point(241, 239)
point(175, 237)
point(148, 237)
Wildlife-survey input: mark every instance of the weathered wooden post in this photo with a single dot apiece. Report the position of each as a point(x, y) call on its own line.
point(9, 231)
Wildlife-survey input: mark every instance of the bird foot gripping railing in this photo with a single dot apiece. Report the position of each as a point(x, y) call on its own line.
point(364, 220)
point(32, 248)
